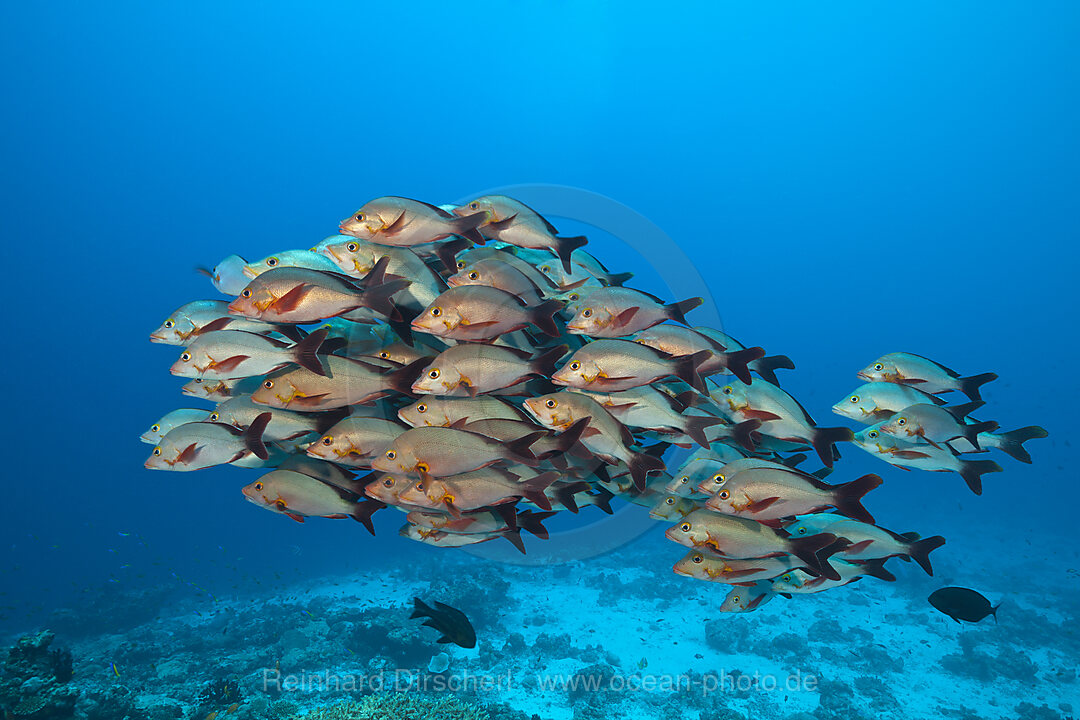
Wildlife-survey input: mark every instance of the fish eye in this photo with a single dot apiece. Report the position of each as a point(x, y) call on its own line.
point(545, 269)
point(246, 293)
point(699, 558)
point(436, 312)
point(271, 261)
point(879, 366)
point(388, 482)
point(684, 479)
point(434, 374)
point(460, 264)
point(854, 398)
point(670, 501)
point(384, 355)
point(718, 478)
point(736, 600)
point(551, 402)
point(390, 454)
point(901, 421)
point(214, 416)
point(575, 365)
point(421, 408)
point(587, 312)
point(872, 434)
point(726, 390)
point(268, 384)
point(185, 357)
point(724, 495)
point(352, 247)
point(802, 531)
point(786, 578)
point(258, 486)
point(419, 486)
point(573, 297)
point(154, 428)
point(685, 527)
point(473, 275)
point(157, 450)
point(168, 323)
point(474, 205)
point(328, 440)
point(359, 217)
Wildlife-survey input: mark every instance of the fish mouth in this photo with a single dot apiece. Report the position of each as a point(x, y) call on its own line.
point(863, 375)
point(155, 338)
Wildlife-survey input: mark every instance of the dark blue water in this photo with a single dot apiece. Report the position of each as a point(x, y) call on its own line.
point(849, 179)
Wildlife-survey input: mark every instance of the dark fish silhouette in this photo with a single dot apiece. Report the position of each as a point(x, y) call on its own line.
point(451, 622)
point(962, 604)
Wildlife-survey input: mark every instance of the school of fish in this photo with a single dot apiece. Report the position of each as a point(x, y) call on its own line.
point(477, 371)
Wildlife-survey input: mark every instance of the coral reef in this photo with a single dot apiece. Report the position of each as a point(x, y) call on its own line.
point(36, 680)
point(399, 706)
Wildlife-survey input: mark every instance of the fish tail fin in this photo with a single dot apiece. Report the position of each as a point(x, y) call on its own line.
point(973, 470)
point(811, 550)
point(962, 410)
point(519, 449)
point(617, 279)
point(533, 523)
point(402, 379)
point(686, 369)
point(420, 609)
point(514, 538)
point(566, 494)
point(544, 364)
point(466, 226)
point(564, 246)
point(695, 428)
point(970, 385)
point(848, 497)
point(380, 297)
point(448, 251)
point(364, 510)
point(993, 611)
point(1012, 442)
point(533, 489)
point(602, 500)
point(825, 440)
point(920, 550)
point(876, 569)
point(677, 310)
point(743, 433)
point(971, 432)
point(738, 362)
point(326, 420)
point(569, 437)
point(253, 436)
point(641, 464)
point(792, 460)
point(767, 366)
point(543, 316)
point(306, 352)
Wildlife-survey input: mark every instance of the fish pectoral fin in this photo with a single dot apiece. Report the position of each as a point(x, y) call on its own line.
point(624, 317)
point(294, 516)
point(227, 364)
point(589, 431)
point(762, 415)
point(759, 505)
point(910, 454)
point(189, 454)
point(743, 573)
point(291, 300)
point(395, 227)
point(307, 399)
point(619, 408)
point(857, 547)
point(483, 323)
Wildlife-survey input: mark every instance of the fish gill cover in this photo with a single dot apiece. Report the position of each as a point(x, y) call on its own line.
point(475, 370)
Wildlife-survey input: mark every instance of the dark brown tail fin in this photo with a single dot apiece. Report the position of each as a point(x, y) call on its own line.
point(543, 317)
point(677, 311)
point(380, 298)
point(449, 249)
point(564, 246)
point(466, 227)
point(364, 510)
point(566, 494)
point(686, 369)
point(641, 464)
point(738, 361)
point(533, 489)
point(970, 385)
point(514, 538)
point(809, 550)
point(973, 470)
point(569, 437)
point(533, 522)
point(518, 450)
point(326, 420)
point(876, 569)
point(767, 366)
point(919, 551)
point(253, 436)
point(695, 428)
point(306, 352)
point(544, 364)
point(617, 279)
point(971, 432)
point(848, 497)
point(402, 379)
point(602, 499)
point(743, 433)
point(826, 438)
point(1012, 442)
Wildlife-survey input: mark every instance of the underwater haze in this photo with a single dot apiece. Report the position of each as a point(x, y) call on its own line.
point(847, 179)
